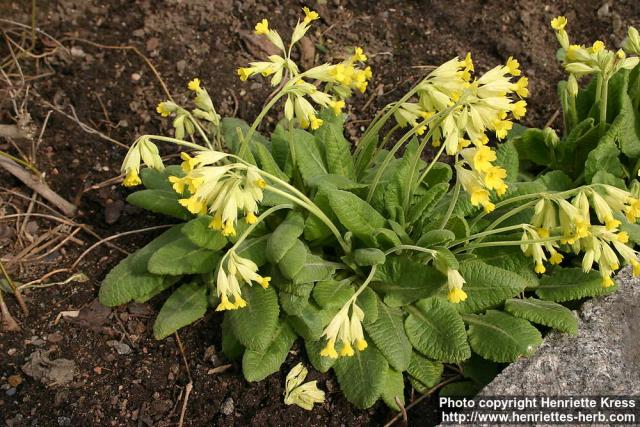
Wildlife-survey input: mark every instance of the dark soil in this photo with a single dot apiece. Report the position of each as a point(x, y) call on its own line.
point(115, 92)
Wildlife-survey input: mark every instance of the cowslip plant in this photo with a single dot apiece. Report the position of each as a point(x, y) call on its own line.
point(384, 266)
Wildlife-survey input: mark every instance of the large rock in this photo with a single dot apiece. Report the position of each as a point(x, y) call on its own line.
point(603, 359)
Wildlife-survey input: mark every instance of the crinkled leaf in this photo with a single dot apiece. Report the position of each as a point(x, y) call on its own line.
point(402, 281)
point(393, 389)
point(500, 337)
point(426, 371)
point(319, 363)
point(181, 256)
point(333, 293)
point(259, 364)
point(159, 201)
point(255, 324)
point(435, 329)
point(337, 148)
point(546, 313)
point(186, 305)
point(198, 232)
point(362, 376)
point(284, 237)
point(566, 284)
point(388, 334)
point(355, 214)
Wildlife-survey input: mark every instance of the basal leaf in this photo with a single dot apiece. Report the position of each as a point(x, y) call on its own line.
point(259, 364)
point(487, 286)
point(255, 324)
point(319, 363)
point(388, 334)
point(198, 232)
point(284, 237)
point(393, 389)
point(402, 281)
point(333, 293)
point(435, 329)
point(546, 313)
point(159, 201)
point(186, 305)
point(181, 256)
point(355, 214)
point(362, 376)
point(500, 337)
point(566, 284)
point(426, 371)
point(337, 148)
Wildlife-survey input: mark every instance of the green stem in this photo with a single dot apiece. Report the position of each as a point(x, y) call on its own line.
point(260, 218)
point(175, 141)
point(247, 138)
point(410, 248)
point(488, 233)
point(21, 162)
point(313, 209)
point(429, 167)
point(452, 204)
point(364, 285)
point(603, 101)
point(507, 243)
point(196, 123)
point(511, 213)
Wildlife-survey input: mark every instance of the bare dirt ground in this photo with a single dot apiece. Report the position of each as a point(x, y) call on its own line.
point(77, 81)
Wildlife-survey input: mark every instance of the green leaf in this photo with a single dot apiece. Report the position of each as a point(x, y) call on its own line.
point(355, 214)
point(198, 232)
point(259, 364)
point(362, 376)
point(546, 313)
point(266, 161)
point(294, 260)
point(624, 131)
point(310, 323)
point(154, 179)
point(280, 149)
point(388, 334)
point(338, 181)
point(337, 148)
point(425, 204)
point(295, 302)
point(566, 284)
point(500, 337)
point(186, 305)
point(440, 173)
point(403, 281)
point(368, 257)
point(436, 238)
point(140, 258)
point(604, 157)
point(231, 347)
point(314, 228)
point(284, 237)
point(368, 302)
point(315, 269)
point(124, 284)
point(333, 293)
point(319, 363)
point(255, 324)
point(308, 156)
point(604, 177)
point(230, 126)
point(254, 249)
point(436, 330)
point(531, 146)
point(487, 286)
point(426, 371)
point(556, 181)
point(182, 257)
point(159, 201)
point(393, 389)
point(509, 258)
point(507, 157)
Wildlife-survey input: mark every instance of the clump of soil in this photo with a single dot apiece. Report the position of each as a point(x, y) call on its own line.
point(123, 376)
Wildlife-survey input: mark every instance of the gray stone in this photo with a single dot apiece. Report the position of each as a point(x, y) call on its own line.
point(603, 359)
point(227, 406)
point(120, 347)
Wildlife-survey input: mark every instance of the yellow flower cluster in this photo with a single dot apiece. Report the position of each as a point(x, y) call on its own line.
point(142, 150)
point(185, 122)
point(483, 176)
point(573, 221)
point(341, 78)
point(581, 60)
point(345, 329)
point(228, 281)
point(219, 190)
point(473, 106)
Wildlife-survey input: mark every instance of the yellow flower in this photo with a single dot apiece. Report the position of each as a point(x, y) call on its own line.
point(494, 177)
point(188, 162)
point(359, 55)
point(636, 267)
point(519, 109)
point(265, 282)
point(309, 15)
point(194, 85)
point(262, 27)
point(132, 179)
point(244, 73)
point(556, 258)
point(228, 229)
point(520, 87)
point(513, 66)
point(598, 46)
point(502, 128)
point(225, 304)
point(361, 344)
point(456, 295)
point(330, 350)
point(314, 122)
point(216, 223)
point(539, 268)
point(163, 110)
point(337, 106)
point(607, 282)
point(482, 158)
point(250, 218)
point(194, 205)
point(623, 237)
point(347, 350)
point(558, 23)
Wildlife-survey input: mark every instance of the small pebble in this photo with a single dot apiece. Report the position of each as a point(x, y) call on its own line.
point(10, 392)
point(227, 407)
point(54, 338)
point(64, 421)
point(135, 77)
point(120, 347)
